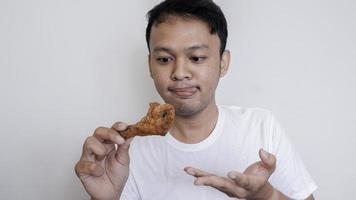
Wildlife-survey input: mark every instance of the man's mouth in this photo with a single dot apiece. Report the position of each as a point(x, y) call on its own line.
point(184, 92)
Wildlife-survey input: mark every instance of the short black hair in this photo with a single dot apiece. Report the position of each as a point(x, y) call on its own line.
point(205, 10)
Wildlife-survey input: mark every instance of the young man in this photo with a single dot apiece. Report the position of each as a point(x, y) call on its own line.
point(211, 152)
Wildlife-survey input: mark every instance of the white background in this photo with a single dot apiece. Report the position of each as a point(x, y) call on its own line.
point(70, 66)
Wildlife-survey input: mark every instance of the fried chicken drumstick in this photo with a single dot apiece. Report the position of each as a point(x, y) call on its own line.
point(157, 121)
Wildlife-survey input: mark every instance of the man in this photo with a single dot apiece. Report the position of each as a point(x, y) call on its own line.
point(211, 152)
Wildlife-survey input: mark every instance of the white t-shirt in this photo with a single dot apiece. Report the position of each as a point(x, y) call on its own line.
point(157, 163)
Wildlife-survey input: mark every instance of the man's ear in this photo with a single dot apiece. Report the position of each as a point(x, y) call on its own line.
point(224, 63)
point(149, 64)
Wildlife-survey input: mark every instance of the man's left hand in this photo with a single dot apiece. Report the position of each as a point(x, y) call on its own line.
point(251, 184)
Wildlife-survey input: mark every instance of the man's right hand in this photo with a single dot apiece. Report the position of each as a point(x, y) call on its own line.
point(103, 169)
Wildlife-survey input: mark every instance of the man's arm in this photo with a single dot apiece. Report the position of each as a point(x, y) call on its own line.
point(277, 195)
point(270, 193)
point(252, 184)
point(311, 197)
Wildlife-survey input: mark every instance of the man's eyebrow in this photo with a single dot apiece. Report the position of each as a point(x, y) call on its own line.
point(197, 47)
point(192, 48)
point(157, 49)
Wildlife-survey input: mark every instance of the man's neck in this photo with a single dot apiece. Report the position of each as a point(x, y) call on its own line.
point(195, 128)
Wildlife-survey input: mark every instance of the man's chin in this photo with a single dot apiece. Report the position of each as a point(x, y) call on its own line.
point(186, 109)
point(184, 112)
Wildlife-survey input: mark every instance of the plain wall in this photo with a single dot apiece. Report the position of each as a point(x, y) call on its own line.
point(67, 67)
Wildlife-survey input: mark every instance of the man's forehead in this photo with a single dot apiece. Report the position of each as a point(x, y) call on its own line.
point(179, 22)
point(181, 34)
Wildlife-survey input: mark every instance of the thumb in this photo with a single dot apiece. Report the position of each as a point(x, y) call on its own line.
point(119, 126)
point(122, 153)
point(268, 159)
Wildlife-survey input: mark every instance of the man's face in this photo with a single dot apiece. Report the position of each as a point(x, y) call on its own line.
point(185, 64)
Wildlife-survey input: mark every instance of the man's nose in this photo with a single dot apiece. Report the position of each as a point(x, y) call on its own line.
point(181, 70)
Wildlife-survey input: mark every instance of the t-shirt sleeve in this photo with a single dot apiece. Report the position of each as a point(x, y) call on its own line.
point(130, 191)
point(290, 177)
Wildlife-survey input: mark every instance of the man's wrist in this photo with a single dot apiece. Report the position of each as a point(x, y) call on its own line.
point(92, 198)
point(267, 192)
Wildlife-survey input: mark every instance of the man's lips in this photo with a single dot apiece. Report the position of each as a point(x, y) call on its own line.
point(184, 92)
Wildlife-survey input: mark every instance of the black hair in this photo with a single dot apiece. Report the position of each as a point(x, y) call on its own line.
point(205, 10)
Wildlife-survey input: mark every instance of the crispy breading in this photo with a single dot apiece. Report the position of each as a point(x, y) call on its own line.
point(157, 121)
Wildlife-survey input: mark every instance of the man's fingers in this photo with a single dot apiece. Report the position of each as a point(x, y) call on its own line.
point(122, 153)
point(268, 159)
point(108, 135)
point(84, 169)
point(213, 181)
point(223, 184)
point(196, 172)
point(93, 149)
point(226, 185)
point(240, 179)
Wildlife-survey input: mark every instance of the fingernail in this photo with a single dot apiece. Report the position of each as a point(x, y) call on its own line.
point(198, 183)
point(119, 139)
point(232, 176)
point(117, 125)
point(121, 126)
point(264, 153)
point(189, 171)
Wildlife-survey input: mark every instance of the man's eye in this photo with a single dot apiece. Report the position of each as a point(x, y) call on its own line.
point(164, 60)
point(198, 59)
